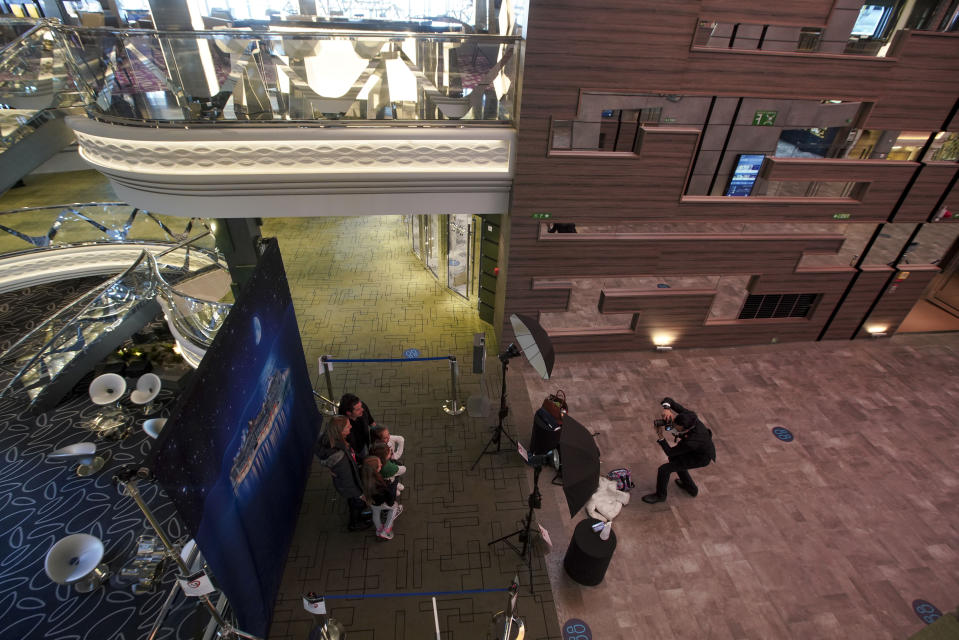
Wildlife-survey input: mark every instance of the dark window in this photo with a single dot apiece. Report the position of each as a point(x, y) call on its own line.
point(786, 305)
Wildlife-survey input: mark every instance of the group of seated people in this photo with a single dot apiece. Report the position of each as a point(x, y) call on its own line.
point(364, 460)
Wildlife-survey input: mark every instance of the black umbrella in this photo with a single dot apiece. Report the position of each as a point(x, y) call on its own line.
point(579, 457)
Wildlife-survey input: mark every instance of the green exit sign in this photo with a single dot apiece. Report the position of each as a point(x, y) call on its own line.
point(765, 118)
point(542, 216)
point(841, 216)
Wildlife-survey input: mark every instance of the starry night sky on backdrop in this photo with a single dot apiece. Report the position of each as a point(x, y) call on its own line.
point(244, 538)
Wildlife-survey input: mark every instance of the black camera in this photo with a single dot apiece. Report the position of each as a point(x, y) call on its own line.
point(666, 424)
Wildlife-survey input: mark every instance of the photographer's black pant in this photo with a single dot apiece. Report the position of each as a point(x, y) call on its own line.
point(682, 472)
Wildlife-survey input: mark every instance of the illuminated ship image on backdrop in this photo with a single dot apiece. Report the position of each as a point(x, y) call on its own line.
point(259, 433)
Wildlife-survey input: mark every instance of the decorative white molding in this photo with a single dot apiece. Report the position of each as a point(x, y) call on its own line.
point(287, 157)
point(253, 171)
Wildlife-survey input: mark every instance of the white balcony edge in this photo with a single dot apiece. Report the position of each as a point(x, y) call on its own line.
point(241, 171)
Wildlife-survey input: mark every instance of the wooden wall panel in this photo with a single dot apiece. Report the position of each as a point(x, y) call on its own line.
point(805, 281)
point(886, 179)
point(649, 185)
point(921, 89)
point(925, 192)
point(741, 72)
point(577, 256)
point(951, 203)
point(642, 46)
point(628, 300)
point(898, 298)
point(683, 315)
point(802, 13)
point(857, 303)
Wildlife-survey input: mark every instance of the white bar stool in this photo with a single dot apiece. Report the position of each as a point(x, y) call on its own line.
point(84, 453)
point(76, 560)
point(106, 390)
point(148, 387)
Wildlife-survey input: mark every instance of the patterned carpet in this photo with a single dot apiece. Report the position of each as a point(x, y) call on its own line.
point(43, 501)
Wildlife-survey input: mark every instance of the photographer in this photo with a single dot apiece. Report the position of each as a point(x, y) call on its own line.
point(693, 448)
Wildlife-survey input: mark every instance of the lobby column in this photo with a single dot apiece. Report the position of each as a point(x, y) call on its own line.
point(238, 239)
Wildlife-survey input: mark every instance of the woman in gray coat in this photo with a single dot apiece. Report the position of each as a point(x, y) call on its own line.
point(336, 454)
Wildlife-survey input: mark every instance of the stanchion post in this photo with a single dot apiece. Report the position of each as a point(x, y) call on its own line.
point(453, 406)
point(326, 374)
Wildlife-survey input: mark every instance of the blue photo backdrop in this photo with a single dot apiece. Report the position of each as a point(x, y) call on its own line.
point(235, 454)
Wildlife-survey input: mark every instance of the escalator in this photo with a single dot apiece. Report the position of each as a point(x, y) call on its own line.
point(36, 94)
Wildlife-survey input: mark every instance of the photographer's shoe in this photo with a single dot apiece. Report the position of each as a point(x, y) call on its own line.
point(653, 498)
point(693, 491)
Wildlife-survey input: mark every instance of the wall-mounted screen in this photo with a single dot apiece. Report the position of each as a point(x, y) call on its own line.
point(745, 174)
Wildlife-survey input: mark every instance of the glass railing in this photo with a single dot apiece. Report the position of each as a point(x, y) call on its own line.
point(304, 76)
point(32, 71)
point(36, 359)
point(57, 226)
point(35, 88)
point(12, 29)
point(196, 319)
point(41, 354)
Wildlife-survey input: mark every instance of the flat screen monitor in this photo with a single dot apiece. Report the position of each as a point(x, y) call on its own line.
point(745, 174)
point(871, 21)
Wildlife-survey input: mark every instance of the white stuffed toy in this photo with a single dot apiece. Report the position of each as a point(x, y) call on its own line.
point(607, 501)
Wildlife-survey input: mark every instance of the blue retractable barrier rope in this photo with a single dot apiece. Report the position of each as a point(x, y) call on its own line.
point(386, 359)
point(414, 593)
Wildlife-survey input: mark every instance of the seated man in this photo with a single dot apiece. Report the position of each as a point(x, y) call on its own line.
point(693, 448)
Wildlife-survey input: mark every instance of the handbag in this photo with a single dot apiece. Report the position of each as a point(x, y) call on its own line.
point(555, 405)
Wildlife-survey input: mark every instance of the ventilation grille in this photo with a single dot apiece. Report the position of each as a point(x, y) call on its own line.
point(788, 305)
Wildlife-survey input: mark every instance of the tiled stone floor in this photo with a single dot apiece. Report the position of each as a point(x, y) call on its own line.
point(830, 536)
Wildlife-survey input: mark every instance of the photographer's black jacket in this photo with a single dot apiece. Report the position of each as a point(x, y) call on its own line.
point(695, 445)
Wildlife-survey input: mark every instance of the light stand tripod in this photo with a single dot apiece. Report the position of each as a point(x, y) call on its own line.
point(498, 431)
point(535, 502)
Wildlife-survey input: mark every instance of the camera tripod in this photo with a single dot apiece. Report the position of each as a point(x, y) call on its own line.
point(498, 430)
point(535, 501)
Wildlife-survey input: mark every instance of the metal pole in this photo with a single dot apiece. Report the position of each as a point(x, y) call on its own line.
point(453, 407)
point(326, 374)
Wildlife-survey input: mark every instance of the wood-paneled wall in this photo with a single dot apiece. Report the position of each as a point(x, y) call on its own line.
point(898, 298)
point(641, 46)
point(857, 302)
point(920, 202)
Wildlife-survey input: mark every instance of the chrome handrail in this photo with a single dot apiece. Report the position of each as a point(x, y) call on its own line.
point(37, 25)
point(158, 285)
point(59, 333)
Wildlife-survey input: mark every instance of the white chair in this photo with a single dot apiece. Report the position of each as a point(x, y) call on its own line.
point(154, 426)
point(106, 390)
point(76, 560)
point(83, 452)
point(148, 387)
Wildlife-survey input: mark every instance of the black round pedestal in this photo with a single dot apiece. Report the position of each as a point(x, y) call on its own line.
point(588, 557)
